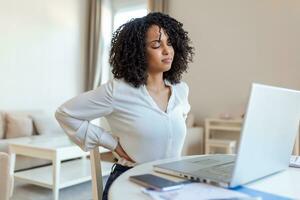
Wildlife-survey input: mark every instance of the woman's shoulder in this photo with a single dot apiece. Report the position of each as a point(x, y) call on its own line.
point(116, 83)
point(182, 88)
point(119, 86)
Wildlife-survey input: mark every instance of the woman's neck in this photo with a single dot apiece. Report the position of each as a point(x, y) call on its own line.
point(155, 82)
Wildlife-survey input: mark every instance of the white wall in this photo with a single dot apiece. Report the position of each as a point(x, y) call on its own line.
point(42, 52)
point(238, 42)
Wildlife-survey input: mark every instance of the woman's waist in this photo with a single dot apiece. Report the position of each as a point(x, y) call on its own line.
point(140, 158)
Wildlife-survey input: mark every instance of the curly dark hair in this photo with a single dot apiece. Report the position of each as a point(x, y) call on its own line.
point(128, 49)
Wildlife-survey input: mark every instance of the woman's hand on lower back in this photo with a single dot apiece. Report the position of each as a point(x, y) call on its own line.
point(120, 151)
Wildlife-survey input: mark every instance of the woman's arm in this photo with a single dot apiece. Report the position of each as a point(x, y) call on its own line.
point(75, 115)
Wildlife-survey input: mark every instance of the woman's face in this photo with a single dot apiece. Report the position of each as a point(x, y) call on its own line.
point(159, 50)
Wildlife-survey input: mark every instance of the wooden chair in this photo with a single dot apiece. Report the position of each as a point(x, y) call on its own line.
point(96, 171)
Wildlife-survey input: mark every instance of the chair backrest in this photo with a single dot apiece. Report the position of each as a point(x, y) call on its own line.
point(6, 183)
point(97, 184)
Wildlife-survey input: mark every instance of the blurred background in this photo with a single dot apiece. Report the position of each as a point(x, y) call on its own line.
point(52, 50)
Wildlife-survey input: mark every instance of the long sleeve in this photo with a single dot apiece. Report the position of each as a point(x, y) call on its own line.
point(75, 115)
point(185, 94)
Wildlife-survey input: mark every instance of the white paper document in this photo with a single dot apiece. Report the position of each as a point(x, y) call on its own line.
point(295, 161)
point(196, 191)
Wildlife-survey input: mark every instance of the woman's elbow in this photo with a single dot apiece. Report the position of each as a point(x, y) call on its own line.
point(59, 115)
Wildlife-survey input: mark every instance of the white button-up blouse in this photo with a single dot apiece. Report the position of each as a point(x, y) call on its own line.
point(145, 132)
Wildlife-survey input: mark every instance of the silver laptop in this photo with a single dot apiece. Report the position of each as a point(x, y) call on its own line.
point(267, 139)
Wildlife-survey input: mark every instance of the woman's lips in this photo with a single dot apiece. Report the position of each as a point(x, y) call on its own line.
point(167, 60)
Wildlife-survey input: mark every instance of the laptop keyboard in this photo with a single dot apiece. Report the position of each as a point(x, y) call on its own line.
point(225, 168)
point(222, 170)
point(206, 162)
point(219, 172)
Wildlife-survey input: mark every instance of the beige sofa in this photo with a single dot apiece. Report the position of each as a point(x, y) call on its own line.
point(7, 181)
point(18, 125)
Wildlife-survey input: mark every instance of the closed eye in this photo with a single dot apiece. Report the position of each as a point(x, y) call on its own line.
point(155, 44)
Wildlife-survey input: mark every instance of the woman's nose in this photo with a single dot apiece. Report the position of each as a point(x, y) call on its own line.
point(166, 50)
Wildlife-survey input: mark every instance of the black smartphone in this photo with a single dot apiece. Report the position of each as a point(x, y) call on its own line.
point(155, 182)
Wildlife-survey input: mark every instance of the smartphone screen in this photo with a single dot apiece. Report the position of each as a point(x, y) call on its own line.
point(155, 182)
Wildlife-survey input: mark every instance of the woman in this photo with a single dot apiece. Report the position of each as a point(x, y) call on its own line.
point(146, 104)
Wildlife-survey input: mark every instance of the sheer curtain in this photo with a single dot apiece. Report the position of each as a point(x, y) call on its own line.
point(99, 32)
point(93, 44)
point(158, 6)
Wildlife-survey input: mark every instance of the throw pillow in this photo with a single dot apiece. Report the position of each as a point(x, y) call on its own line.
point(18, 126)
point(45, 124)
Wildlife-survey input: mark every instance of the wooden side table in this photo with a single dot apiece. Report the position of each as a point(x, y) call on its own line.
point(228, 125)
point(222, 126)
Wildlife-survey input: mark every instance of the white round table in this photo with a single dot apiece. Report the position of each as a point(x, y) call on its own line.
point(285, 183)
point(123, 189)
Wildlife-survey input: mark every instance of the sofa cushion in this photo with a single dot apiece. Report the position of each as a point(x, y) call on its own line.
point(46, 124)
point(18, 126)
point(2, 123)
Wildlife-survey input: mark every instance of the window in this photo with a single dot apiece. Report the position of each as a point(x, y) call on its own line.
point(124, 15)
